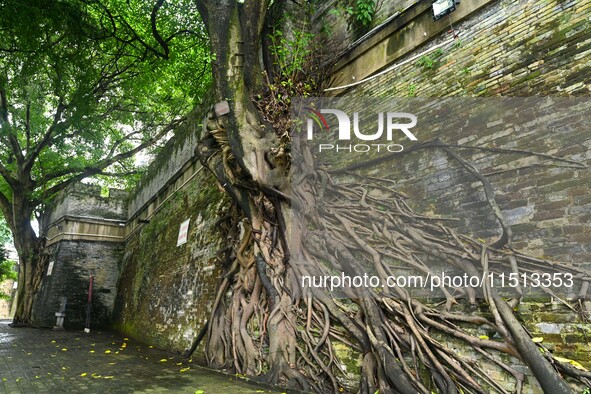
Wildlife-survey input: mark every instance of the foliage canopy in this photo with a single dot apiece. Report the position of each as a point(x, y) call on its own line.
point(84, 82)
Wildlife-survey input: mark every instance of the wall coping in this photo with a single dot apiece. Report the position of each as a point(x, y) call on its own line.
point(402, 29)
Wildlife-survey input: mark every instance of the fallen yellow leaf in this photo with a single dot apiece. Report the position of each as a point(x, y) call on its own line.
point(537, 339)
point(577, 365)
point(574, 363)
point(163, 360)
point(107, 351)
point(483, 337)
point(83, 374)
point(64, 350)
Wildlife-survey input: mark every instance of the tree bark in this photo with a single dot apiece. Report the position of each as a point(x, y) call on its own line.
point(243, 171)
point(31, 262)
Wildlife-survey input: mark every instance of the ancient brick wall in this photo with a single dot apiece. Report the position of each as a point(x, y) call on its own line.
point(515, 48)
point(7, 288)
point(84, 239)
point(165, 290)
point(504, 48)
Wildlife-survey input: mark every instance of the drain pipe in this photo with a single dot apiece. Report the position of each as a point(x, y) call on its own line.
point(89, 305)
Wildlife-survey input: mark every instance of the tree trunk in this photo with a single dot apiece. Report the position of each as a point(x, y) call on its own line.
point(243, 140)
point(31, 262)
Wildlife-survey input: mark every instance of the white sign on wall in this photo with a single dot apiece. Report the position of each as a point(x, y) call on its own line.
point(50, 268)
point(183, 233)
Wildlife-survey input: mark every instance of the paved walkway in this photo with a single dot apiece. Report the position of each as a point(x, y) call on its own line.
point(46, 361)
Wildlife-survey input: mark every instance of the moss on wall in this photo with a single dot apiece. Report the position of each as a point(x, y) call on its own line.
point(165, 291)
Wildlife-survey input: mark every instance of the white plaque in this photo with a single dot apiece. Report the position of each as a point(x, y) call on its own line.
point(183, 233)
point(50, 268)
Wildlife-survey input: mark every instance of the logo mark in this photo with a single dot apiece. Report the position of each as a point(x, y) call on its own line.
point(318, 118)
point(392, 120)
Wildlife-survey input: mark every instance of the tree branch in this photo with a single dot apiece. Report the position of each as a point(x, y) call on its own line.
point(47, 137)
point(155, 32)
point(16, 148)
point(3, 105)
point(119, 174)
point(98, 167)
point(28, 124)
point(203, 7)
point(144, 44)
point(7, 176)
point(117, 143)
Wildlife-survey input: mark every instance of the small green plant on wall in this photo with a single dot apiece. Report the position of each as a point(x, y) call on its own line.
point(430, 60)
point(292, 53)
point(361, 14)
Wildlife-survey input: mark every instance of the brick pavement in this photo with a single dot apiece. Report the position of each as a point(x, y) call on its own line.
point(46, 361)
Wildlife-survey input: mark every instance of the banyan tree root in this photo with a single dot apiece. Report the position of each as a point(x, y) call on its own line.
point(266, 324)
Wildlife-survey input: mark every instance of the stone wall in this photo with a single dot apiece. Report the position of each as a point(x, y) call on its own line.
point(84, 239)
point(503, 48)
point(166, 290)
point(7, 288)
point(513, 48)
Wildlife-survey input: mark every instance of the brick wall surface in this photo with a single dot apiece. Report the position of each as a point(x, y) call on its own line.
point(515, 48)
point(7, 288)
point(519, 49)
point(76, 261)
point(165, 291)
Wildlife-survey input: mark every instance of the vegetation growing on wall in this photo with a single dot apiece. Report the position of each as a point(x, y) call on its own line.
point(361, 14)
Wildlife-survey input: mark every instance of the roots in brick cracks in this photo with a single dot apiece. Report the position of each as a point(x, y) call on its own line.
point(265, 325)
